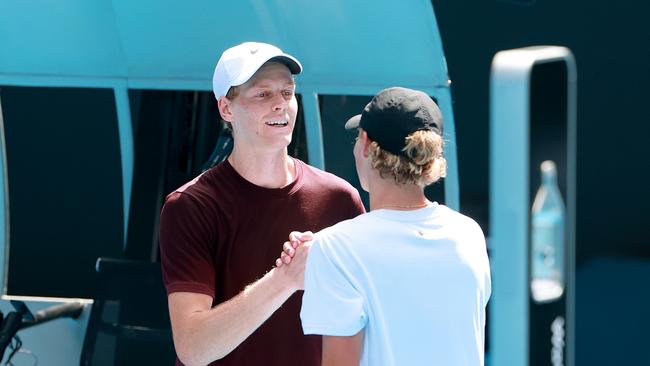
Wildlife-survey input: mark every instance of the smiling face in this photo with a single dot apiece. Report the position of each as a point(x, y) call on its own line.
point(264, 111)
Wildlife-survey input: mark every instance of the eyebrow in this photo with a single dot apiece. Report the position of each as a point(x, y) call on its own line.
point(263, 83)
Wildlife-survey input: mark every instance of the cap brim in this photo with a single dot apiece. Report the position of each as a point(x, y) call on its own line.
point(353, 122)
point(294, 66)
point(291, 62)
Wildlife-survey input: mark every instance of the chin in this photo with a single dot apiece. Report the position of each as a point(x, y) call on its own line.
point(287, 140)
point(279, 142)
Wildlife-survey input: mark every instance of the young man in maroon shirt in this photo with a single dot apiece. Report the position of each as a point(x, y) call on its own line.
point(219, 233)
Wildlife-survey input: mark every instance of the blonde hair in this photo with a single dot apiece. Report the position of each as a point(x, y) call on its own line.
point(423, 164)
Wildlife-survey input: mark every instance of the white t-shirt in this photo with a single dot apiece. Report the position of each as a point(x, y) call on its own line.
point(417, 282)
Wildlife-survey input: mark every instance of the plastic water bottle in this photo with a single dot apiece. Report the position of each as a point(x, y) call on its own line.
point(548, 238)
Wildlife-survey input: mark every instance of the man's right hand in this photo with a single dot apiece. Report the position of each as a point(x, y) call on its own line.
point(293, 258)
point(289, 248)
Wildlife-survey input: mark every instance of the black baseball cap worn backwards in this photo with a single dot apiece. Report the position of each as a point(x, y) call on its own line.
point(395, 113)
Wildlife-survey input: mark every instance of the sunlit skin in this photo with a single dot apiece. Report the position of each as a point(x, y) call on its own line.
point(267, 98)
point(262, 115)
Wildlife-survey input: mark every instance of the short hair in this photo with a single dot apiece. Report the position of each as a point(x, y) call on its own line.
point(233, 92)
point(423, 164)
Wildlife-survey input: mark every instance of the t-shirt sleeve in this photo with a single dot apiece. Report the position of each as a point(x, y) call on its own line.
point(186, 246)
point(331, 305)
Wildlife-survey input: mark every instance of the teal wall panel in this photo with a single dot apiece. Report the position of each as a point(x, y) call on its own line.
point(159, 43)
point(70, 37)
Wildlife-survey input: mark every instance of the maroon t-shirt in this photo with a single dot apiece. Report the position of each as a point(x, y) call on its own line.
point(220, 233)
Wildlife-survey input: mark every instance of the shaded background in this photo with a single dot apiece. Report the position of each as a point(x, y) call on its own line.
point(610, 43)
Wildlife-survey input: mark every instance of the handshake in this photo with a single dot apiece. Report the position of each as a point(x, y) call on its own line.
point(298, 243)
point(293, 258)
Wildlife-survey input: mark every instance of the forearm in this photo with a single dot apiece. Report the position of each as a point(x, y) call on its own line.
point(212, 334)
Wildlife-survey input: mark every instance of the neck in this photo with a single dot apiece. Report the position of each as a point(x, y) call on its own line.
point(265, 169)
point(385, 193)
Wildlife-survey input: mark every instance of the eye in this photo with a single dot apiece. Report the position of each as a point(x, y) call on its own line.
point(288, 93)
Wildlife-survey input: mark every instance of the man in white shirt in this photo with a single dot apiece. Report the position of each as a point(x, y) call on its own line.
point(408, 282)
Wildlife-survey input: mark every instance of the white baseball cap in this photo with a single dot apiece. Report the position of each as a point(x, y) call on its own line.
point(238, 64)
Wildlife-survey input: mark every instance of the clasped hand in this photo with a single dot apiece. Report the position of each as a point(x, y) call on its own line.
point(294, 257)
point(293, 250)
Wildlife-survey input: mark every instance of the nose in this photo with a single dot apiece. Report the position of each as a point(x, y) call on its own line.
point(279, 102)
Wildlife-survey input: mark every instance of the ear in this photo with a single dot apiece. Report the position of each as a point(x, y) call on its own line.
point(225, 109)
point(365, 142)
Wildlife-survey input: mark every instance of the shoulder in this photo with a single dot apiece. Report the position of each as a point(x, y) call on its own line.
point(202, 188)
point(455, 216)
point(344, 235)
point(342, 249)
point(332, 188)
point(189, 212)
point(178, 200)
point(311, 173)
point(200, 196)
point(461, 222)
point(182, 208)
